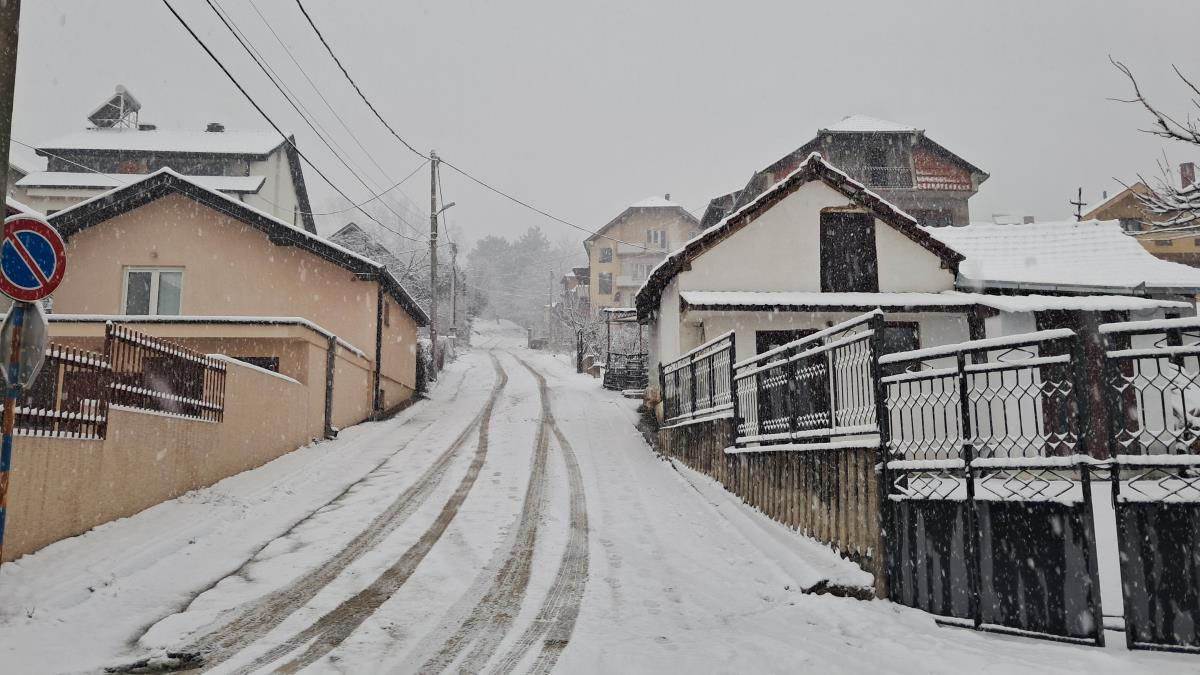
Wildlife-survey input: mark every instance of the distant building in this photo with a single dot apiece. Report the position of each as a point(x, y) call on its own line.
point(1181, 245)
point(896, 161)
point(623, 252)
point(258, 168)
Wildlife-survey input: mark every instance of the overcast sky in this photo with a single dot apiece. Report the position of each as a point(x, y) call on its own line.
point(583, 108)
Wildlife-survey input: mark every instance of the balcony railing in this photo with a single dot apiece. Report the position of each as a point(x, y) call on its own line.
point(899, 177)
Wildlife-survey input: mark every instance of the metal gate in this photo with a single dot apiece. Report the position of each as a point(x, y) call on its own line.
point(989, 514)
point(1152, 374)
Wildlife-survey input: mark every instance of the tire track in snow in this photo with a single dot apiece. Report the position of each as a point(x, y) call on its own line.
point(266, 613)
point(336, 625)
point(486, 625)
point(555, 621)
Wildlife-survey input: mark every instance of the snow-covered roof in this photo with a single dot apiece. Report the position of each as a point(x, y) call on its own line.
point(207, 142)
point(24, 159)
point(764, 300)
point(864, 123)
point(17, 207)
point(654, 202)
point(84, 179)
point(1090, 253)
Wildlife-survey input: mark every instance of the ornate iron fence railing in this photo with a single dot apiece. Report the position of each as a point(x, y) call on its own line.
point(698, 385)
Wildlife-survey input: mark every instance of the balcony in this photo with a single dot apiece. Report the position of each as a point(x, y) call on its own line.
point(893, 177)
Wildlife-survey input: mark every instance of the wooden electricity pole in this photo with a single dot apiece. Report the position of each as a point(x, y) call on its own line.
point(454, 289)
point(433, 235)
point(10, 15)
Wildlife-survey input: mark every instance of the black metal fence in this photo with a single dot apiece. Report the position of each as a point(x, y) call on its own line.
point(991, 452)
point(988, 497)
point(699, 384)
point(623, 372)
point(69, 396)
point(154, 374)
point(812, 390)
point(1152, 373)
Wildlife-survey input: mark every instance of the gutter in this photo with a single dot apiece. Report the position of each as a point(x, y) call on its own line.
point(1141, 290)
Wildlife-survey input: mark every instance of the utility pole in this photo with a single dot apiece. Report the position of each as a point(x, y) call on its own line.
point(433, 236)
point(1078, 204)
point(10, 15)
point(454, 289)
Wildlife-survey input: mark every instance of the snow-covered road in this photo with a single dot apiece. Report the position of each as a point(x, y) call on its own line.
point(516, 521)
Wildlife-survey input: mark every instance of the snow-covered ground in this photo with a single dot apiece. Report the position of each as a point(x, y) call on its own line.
point(536, 532)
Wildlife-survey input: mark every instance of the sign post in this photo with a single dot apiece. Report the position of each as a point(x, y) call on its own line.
point(32, 263)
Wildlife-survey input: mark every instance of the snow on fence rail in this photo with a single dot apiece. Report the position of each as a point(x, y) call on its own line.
point(809, 391)
point(68, 398)
point(698, 385)
point(154, 374)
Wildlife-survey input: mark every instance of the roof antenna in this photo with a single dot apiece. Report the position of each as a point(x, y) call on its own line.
point(1078, 204)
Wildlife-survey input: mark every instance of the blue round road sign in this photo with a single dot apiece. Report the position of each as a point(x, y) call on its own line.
point(33, 259)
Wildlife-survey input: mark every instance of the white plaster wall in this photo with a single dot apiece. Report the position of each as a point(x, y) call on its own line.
point(935, 328)
point(278, 194)
point(781, 251)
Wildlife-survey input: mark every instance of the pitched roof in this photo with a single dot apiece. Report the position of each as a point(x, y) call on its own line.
point(174, 141)
point(814, 167)
point(163, 182)
point(1084, 256)
point(649, 203)
point(864, 123)
point(85, 179)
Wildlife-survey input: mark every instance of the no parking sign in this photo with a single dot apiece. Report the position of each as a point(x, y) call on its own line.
point(33, 259)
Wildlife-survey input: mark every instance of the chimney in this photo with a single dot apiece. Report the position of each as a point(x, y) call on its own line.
point(667, 196)
point(1187, 174)
point(215, 127)
point(1027, 220)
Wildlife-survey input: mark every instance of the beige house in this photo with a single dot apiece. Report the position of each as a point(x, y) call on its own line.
point(1181, 245)
point(623, 252)
point(214, 274)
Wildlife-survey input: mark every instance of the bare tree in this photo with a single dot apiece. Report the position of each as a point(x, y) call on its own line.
point(584, 327)
point(1173, 205)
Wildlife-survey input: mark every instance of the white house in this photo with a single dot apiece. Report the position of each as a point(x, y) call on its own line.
point(818, 248)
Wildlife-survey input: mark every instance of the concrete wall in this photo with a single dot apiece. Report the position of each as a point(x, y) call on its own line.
point(64, 487)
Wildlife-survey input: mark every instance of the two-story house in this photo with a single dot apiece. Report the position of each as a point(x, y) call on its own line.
point(623, 252)
point(898, 162)
point(259, 168)
point(1179, 244)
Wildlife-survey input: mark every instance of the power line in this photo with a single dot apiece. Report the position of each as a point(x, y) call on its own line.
point(285, 93)
point(329, 106)
point(256, 106)
point(352, 82)
point(406, 144)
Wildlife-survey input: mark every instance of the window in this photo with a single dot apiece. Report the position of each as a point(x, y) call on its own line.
point(848, 260)
point(605, 282)
point(1131, 224)
point(605, 255)
point(642, 270)
point(900, 336)
point(1164, 242)
point(765, 340)
point(933, 217)
point(270, 363)
point(153, 290)
point(387, 313)
point(657, 238)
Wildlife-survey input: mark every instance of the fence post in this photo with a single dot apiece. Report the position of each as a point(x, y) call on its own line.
point(692, 385)
point(330, 367)
point(662, 392)
point(733, 391)
point(1084, 434)
point(971, 541)
point(883, 454)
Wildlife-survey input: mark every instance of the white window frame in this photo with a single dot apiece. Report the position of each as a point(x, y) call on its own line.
point(657, 237)
point(155, 272)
